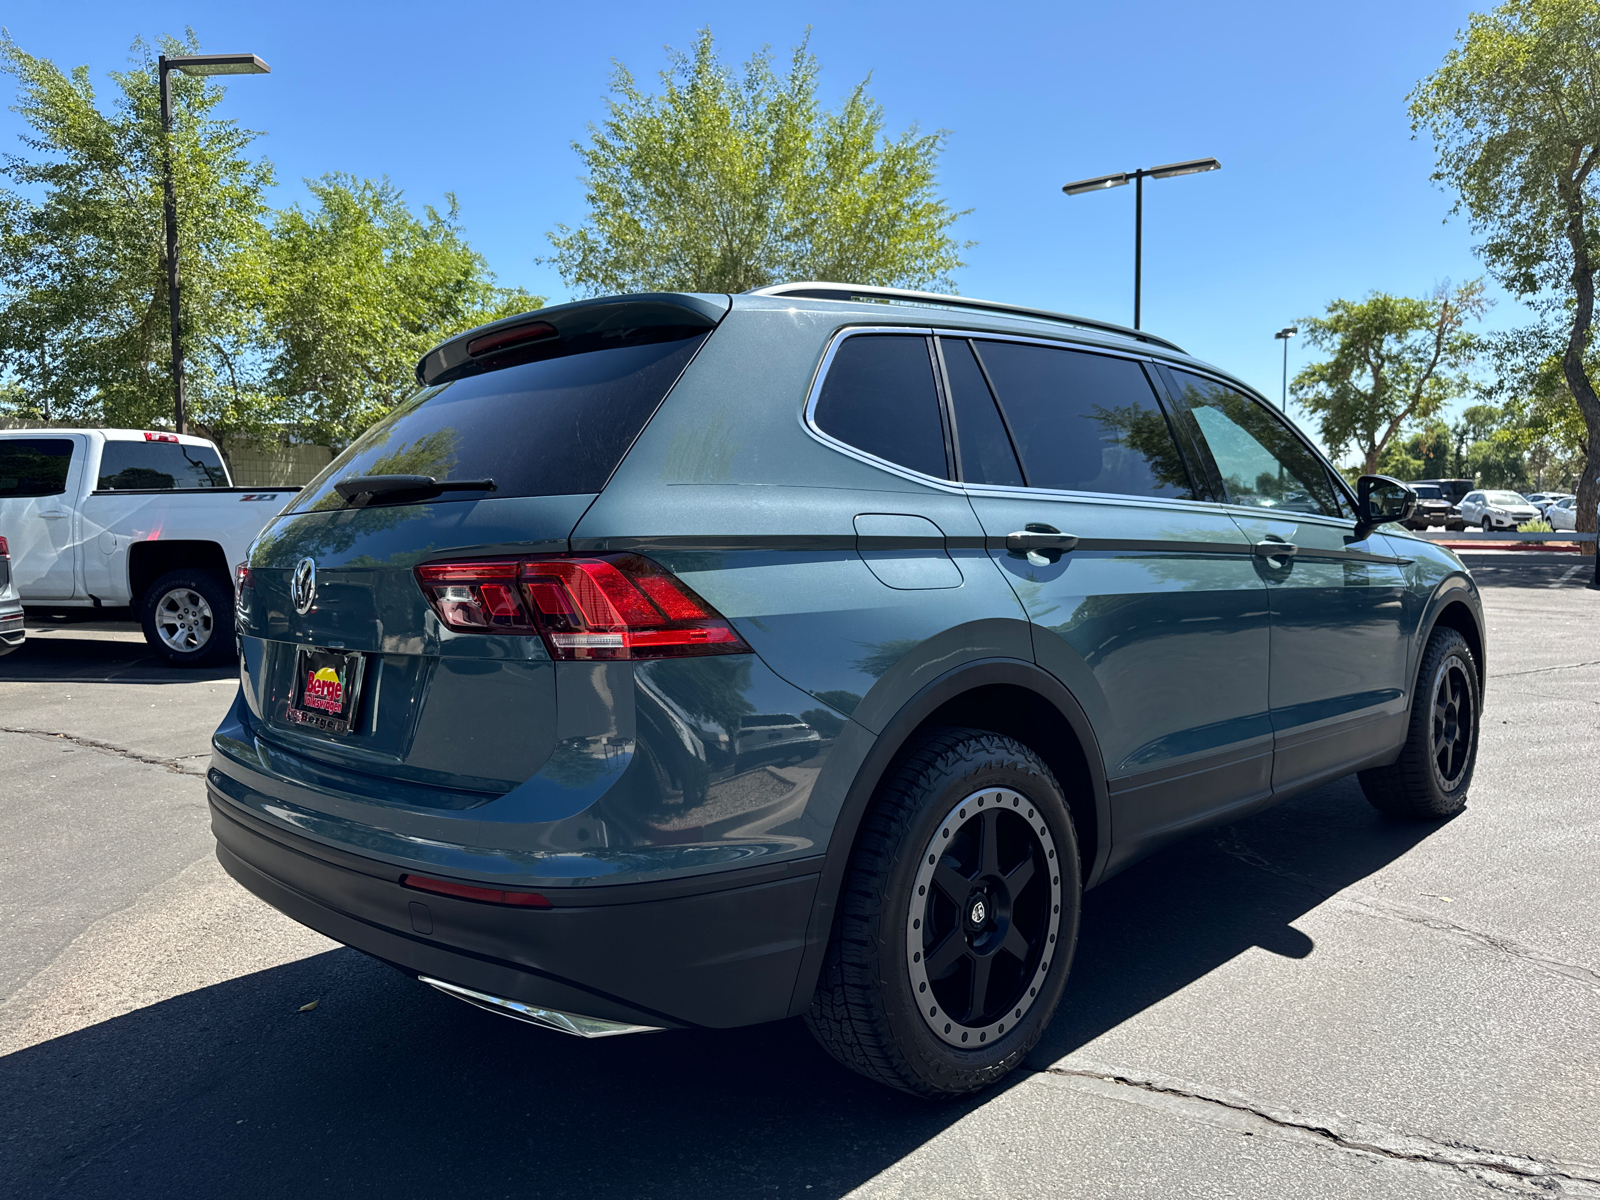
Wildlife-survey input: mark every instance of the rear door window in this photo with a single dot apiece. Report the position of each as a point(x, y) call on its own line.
point(557, 426)
point(34, 466)
point(1085, 422)
point(1260, 461)
point(132, 466)
point(983, 446)
point(879, 395)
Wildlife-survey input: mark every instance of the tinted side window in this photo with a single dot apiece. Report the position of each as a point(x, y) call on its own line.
point(1261, 462)
point(983, 445)
point(879, 396)
point(555, 427)
point(126, 465)
point(34, 466)
point(1085, 422)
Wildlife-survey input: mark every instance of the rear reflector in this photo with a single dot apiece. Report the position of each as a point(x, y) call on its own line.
point(612, 606)
point(467, 892)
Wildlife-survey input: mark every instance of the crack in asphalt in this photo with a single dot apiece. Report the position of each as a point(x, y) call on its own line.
point(175, 765)
point(1493, 1167)
point(1542, 670)
point(1229, 842)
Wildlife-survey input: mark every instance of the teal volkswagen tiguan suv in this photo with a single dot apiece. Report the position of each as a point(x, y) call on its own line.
point(675, 661)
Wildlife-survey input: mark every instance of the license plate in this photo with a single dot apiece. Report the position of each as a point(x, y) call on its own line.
point(327, 689)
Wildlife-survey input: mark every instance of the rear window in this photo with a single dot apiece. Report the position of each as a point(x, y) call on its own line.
point(34, 466)
point(130, 466)
point(880, 396)
point(555, 427)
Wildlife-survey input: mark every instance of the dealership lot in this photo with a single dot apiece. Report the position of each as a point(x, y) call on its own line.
point(1312, 1002)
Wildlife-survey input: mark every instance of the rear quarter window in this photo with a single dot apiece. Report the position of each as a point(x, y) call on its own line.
point(879, 395)
point(553, 427)
point(34, 466)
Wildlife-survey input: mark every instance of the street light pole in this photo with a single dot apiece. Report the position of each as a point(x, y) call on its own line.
point(1100, 182)
point(1283, 335)
point(189, 64)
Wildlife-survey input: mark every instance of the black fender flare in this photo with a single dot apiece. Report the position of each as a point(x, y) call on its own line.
point(888, 744)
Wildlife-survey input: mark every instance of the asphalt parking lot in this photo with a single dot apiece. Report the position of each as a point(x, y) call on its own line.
point(1312, 1002)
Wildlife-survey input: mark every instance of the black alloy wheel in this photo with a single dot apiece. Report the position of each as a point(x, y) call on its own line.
point(983, 918)
point(1454, 720)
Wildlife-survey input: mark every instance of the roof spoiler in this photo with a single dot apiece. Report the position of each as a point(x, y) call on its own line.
point(509, 341)
point(853, 293)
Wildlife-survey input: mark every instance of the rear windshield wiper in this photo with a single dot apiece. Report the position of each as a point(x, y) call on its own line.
point(361, 490)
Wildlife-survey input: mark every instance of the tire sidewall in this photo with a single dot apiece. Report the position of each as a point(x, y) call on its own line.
point(1452, 648)
point(219, 647)
point(946, 1067)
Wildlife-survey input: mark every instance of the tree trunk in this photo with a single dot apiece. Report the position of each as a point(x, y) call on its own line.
point(1572, 364)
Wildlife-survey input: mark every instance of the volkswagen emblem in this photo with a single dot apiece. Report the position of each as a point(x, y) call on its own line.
point(303, 585)
point(979, 911)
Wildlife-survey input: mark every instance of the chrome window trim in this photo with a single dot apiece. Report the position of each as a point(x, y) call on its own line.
point(808, 419)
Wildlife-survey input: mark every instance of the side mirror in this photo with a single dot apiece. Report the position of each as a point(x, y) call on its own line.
point(1380, 500)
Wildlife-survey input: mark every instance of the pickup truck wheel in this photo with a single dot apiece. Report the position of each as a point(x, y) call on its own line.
point(188, 618)
point(957, 919)
point(1430, 778)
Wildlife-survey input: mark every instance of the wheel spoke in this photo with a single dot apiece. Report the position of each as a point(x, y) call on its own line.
point(989, 843)
point(979, 995)
point(1015, 944)
point(951, 882)
point(946, 954)
point(1019, 876)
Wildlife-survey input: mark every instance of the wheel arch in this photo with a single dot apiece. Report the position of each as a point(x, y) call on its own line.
point(1453, 612)
point(149, 561)
point(1006, 696)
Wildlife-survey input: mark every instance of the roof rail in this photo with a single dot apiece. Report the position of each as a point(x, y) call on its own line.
point(820, 290)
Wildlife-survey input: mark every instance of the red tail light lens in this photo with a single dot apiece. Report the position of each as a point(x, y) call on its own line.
point(613, 606)
point(161, 437)
point(242, 578)
point(466, 892)
point(5, 550)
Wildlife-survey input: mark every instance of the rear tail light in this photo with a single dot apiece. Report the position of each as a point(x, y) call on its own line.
point(464, 891)
point(612, 606)
point(5, 550)
point(242, 578)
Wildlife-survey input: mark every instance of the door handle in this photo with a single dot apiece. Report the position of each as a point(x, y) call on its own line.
point(53, 515)
point(1274, 548)
point(1039, 537)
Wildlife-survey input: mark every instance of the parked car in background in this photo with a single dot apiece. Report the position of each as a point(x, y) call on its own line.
point(1029, 595)
point(12, 634)
point(1433, 508)
point(1563, 515)
point(1543, 500)
point(1454, 489)
point(1497, 510)
point(129, 519)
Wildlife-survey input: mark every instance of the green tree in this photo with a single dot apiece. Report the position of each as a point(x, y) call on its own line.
point(1425, 454)
point(360, 289)
point(1395, 359)
point(724, 183)
point(84, 330)
point(1514, 113)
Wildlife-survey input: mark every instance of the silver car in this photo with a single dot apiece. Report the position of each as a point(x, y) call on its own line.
point(12, 634)
point(1497, 510)
point(1563, 515)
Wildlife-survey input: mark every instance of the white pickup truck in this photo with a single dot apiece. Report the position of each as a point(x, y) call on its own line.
point(125, 518)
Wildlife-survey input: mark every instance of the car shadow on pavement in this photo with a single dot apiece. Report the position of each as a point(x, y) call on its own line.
point(62, 658)
point(389, 1088)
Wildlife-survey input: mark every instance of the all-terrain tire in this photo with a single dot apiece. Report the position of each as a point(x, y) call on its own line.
point(866, 1011)
point(187, 616)
point(1431, 777)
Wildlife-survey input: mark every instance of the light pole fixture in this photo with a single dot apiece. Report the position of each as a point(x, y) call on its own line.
point(1283, 335)
point(1100, 182)
point(189, 64)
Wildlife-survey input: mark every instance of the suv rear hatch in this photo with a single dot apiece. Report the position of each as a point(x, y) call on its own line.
point(517, 427)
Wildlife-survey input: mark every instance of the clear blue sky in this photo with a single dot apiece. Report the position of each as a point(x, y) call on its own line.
point(1322, 193)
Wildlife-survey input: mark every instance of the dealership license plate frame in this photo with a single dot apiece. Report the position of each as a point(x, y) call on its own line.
point(350, 668)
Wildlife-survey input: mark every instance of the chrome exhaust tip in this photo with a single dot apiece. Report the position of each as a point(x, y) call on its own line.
point(545, 1018)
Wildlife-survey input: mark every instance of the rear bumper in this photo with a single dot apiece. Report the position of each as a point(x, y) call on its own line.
point(654, 954)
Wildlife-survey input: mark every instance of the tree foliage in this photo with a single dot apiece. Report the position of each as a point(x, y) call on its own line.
point(1395, 359)
point(1514, 113)
point(84, 330)
point(723, 183)
point(361, 288)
